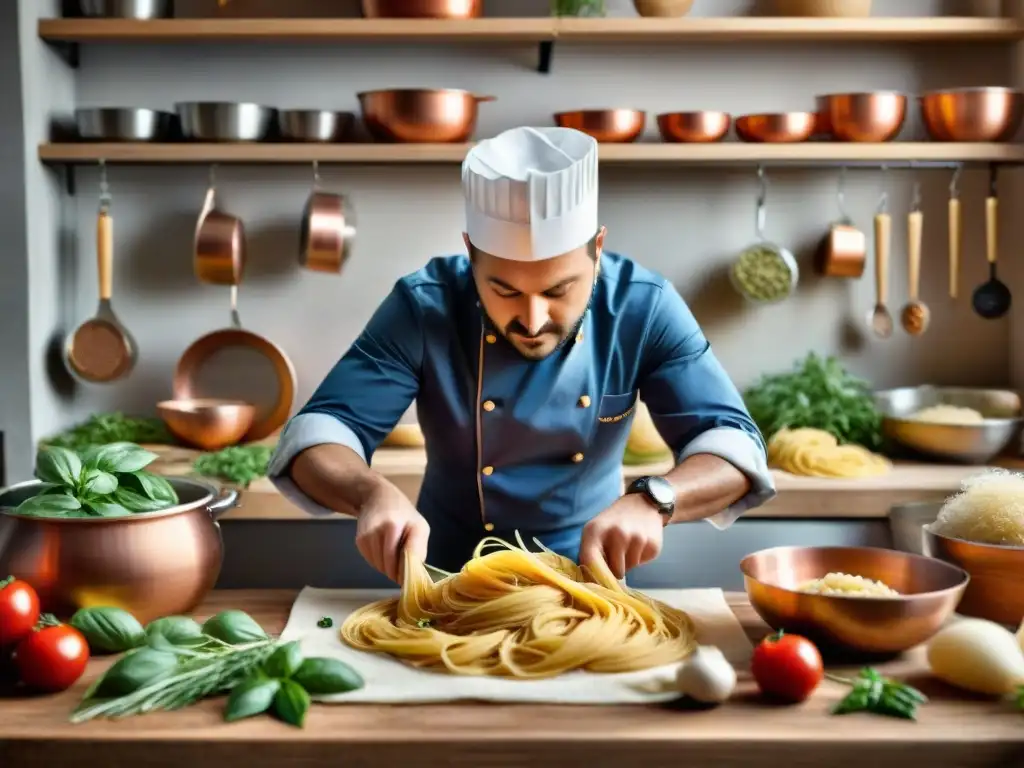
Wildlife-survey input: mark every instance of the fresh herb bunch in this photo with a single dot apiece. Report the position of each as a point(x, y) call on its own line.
point(238, 464)
point(103, 428)
point(873, 693)
point(101, 481)
point(818, 393)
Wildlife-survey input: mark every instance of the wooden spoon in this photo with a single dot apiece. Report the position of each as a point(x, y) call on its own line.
point(954, 236)
point(915, 314)
point(881, 320)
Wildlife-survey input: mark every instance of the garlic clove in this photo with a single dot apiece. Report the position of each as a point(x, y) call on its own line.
point(707, 676)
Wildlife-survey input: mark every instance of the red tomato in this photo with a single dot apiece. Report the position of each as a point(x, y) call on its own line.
point(19, 611)
point(787, 667)
point(52, 659)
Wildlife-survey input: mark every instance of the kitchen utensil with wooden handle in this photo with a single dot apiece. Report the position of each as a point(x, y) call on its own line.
point(954, 237)
point(992, 299)
point(881, 320)
point(915, 314)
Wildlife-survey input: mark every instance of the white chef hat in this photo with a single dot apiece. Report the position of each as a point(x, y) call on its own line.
point(531, 193)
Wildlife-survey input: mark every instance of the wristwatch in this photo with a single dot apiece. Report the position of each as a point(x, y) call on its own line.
point(659, 492)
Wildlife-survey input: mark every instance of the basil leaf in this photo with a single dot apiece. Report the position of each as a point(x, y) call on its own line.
point(291, 703)
point(136, 502)
point(323, 676)
point(251, 697)
point(284, 661)
point(134, 670)
point(151, 486)
point(49, 505)
point(98, 483)
point(123, 457)
point(102, 508)
point(177, 630)
point(234, 628)
point(108, 629)
point(58, 465)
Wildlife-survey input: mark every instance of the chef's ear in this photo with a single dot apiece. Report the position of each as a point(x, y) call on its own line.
point(465, 239)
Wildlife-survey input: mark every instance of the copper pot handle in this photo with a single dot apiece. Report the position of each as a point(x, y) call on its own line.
point(227, 501)
point(484, 98)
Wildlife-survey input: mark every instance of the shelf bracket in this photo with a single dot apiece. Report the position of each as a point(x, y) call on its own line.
point(69, 51)
point(545, 50)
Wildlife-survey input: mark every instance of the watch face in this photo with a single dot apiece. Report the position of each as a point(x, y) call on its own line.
point(661, 490)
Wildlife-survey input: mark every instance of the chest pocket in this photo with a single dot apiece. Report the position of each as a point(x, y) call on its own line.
point(615, 408)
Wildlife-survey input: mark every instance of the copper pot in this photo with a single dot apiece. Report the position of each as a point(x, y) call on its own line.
point(694, 127)
point(328, 230)
point(422, 9)
point(871, 117)
point(972, 114)
point(618, 126)
point(421, 115)
point(151, 564)
point(207, 423)
point(219, 244)
point(780, 128)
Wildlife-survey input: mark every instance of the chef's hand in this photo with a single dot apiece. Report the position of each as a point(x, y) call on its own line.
point(627, 534)
point(387, 526)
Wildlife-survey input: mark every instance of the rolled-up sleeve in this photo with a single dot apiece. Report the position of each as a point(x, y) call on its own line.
point(362, 398)
point(695, 405)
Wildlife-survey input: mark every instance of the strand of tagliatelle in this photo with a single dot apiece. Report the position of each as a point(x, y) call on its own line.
point(521, 614)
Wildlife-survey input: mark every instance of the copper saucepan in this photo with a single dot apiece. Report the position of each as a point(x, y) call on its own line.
point(328, 230)
point(843, 251)
point(219, 244)
point(422, 9)
point(421, 115)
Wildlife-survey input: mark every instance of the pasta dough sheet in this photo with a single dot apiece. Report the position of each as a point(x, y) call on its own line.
point(389, 681)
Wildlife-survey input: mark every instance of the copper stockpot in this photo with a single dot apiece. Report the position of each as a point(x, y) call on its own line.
point(151, 564)
point(422, 9)
point(783, 127)
point(328, 230)
point(618, 126)
point(693, 127)
point(929, 592)
point(875, 116)
point(972, 114)
point(421, 115)
point(207, 423)
point(219, 244)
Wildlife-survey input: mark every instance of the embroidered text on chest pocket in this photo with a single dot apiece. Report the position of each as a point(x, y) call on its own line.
point(615, 408)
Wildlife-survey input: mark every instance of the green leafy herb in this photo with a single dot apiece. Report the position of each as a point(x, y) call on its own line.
point(291, 703)
point(103, 428)
point(818, 393)
point(325, 622)
point(234, 628)
point(108, 629)
point(321, 676)
point(251, 697)
point(873, 693)
point(238, 464)
point(284, 661)
point(59, 466)
point(177, 630)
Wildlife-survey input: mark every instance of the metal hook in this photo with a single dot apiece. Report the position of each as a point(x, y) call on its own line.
point(883, 200)
point(916, 202)
point(316, 173)
point(954, 189)
point(841, 194)
point(762, 197)
point(993, 173)
point(213, 175)
point(104, 186)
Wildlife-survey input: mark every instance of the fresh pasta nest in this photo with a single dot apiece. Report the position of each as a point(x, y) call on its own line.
point(519, 614)
point(989, 509)
point(816, 453)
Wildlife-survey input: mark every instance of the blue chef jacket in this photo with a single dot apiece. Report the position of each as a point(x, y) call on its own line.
point(514, 444)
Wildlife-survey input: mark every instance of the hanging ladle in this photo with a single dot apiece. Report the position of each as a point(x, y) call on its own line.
point(992, 299)
point(915, 315)
point(880, 319)
point(954, 234)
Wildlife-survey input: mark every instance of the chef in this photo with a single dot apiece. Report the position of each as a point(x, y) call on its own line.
point(526, 359)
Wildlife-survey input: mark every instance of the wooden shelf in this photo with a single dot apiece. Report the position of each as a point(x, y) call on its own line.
point(653, 153)
point(631, 29)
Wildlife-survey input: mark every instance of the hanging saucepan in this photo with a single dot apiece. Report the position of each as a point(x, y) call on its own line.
point(328, 229)
point(219, 243)
point(843, 251)
point(764, 272)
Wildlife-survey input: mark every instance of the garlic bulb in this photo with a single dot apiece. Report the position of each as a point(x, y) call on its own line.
point(706, 676)
point(979, 656)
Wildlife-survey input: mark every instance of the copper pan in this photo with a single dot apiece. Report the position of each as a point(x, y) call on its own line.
point(422, 9)
point(219, 244)
point(269, 416)
point(328, 230)
point(421, 115)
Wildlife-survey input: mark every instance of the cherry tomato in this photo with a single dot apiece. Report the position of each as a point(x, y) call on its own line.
point(787, 667)
point(19, 611)
point(52, 659)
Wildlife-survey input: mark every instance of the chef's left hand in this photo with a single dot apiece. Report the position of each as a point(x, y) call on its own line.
point(627, 534)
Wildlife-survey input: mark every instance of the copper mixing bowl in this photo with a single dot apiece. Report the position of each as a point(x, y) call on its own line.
point(929, 592)
point(694, 127)
point(608, 125)
point(422, 9)
point(207, 423)
point(782, 127)
point(997, 575)
point(421, 115)
point(972, 114)
point(872, 117)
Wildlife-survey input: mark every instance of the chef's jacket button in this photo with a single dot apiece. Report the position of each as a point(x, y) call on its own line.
point(488, 470)
point(584, 401)
point(488, 405)
point(579, 337)
point(488, 526)
point(491, 338)
point(577, 457)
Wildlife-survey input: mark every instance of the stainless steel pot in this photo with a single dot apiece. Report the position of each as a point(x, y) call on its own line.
point(128, 9)
point(151, 564)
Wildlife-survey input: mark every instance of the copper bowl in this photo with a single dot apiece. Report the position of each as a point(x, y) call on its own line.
point(608, 125)
point(422, 9)
point(151, 564)
point(421, 115)
point(972, 114)
point(929, 592)
point(779, 128)
point(871, 117)
point(694, 127)
point(207, 423)
point(997, 574)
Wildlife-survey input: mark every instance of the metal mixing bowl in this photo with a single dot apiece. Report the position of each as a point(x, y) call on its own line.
point(972, 114)
point(960, 443)
point(606, 125)
point(224, 121)
point(128, 9)
point(123, 124)
point(874, 116)
point(929, 592)
point(314, 125)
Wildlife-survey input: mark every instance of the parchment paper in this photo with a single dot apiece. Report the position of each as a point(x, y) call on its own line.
point(389, 681)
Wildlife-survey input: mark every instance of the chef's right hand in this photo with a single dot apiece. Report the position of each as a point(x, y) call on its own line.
point(387, 526)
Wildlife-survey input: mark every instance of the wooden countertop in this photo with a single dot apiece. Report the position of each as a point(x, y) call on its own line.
point(798, 497)
point(951, 731)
